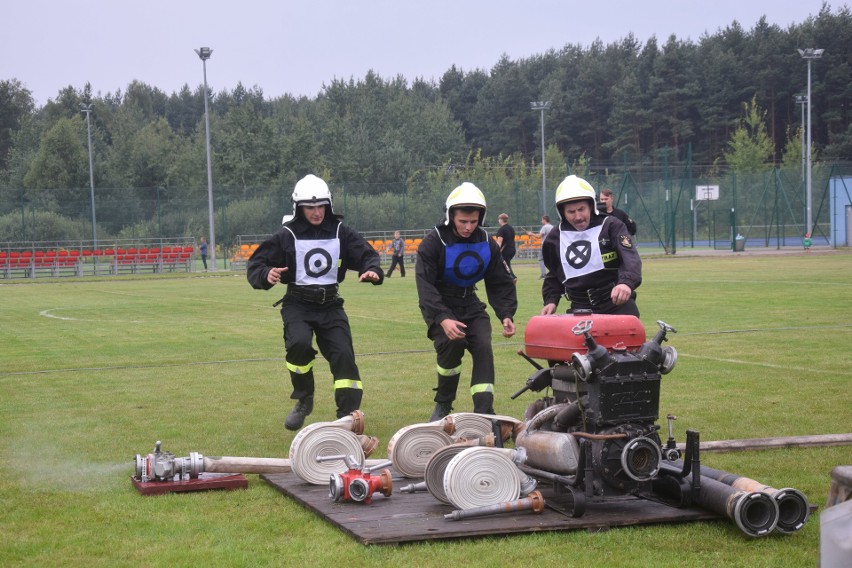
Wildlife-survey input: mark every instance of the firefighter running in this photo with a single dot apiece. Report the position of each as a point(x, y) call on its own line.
point(311, 254)
point(451, 260)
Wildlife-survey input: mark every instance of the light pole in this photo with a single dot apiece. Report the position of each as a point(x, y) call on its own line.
point(88, 109)
point(542, 106)
point(204, 53)
point(810, 54)
point(803, 100)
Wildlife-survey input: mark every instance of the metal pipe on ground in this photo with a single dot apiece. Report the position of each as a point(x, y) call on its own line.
point(533, 502)
point(793, 506)
point(755, 513)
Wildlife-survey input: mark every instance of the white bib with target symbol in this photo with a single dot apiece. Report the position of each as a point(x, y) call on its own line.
point(580, 252)
point(317, 261)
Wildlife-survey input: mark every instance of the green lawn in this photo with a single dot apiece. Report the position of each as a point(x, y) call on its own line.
point(95, 371)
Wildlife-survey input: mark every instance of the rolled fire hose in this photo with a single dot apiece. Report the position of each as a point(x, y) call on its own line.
point(469, 426)
point(480, 476)
point(438, 461)
point(411, 446)
point(341, 437)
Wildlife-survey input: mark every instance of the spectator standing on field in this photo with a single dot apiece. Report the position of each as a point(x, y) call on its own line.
point(202, 249)
point(451, 260)
point(506, 241)
point(311, 254)
point(545, 228)
point(607, 200)
point(397, 248)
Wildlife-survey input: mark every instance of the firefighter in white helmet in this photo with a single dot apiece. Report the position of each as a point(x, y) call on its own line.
point(451, 260)
point(311, 254)
point(590, 258)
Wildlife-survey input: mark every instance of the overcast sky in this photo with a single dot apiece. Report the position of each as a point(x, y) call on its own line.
point(282, 46)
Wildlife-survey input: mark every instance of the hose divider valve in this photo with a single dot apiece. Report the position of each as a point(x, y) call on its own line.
point(357, 483)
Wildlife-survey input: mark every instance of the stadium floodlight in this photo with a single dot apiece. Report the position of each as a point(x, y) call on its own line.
point(87, 108)
point(204, 54)
point(810, 54)
point(542, 106)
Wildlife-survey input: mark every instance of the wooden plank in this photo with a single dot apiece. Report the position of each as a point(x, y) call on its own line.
point(203, 482)
point(817, 440)
point(412, 517)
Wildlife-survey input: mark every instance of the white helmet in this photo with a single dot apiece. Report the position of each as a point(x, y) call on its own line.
point(573, 188)
point(311, 190)
point(467, 195)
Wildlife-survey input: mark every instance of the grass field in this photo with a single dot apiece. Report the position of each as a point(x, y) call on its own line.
point(95, 371)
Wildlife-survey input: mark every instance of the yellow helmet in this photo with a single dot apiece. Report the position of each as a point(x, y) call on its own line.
point(466, 195)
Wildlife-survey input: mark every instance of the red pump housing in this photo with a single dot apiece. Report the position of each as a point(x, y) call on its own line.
point(552, 337)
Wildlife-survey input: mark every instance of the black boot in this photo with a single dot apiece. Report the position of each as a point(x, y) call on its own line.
point(442, 409)
point(304, 407)
point(445, 394)
point(347, 400)
point(483, 403)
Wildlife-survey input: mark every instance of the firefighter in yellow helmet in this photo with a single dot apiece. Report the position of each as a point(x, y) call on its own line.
point(451, 260)
point(590, 258)
point(311, 254)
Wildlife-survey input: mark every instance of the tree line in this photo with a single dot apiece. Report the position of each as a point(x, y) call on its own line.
point(620, 106)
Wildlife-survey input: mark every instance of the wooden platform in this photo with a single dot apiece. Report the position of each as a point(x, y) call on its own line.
point(203, 482)
point(412, 517)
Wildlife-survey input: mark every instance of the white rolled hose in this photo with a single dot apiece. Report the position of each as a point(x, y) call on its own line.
point(469, 425)
point(341, 437)
point(480, 476)
point(411, 446)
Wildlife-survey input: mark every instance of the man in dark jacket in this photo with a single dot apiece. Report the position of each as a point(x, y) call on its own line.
point(590, 258)
point(611, 209)
point(311, 254)
point(505, 238)
point(451, 260)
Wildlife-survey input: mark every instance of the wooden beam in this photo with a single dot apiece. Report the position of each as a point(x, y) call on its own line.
point(819, 440)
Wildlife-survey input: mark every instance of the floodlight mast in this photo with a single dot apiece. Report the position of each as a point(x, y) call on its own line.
point(542, 106)
point(204, 54)
point(802, 100)
point(87, 108)
point(809, 54)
